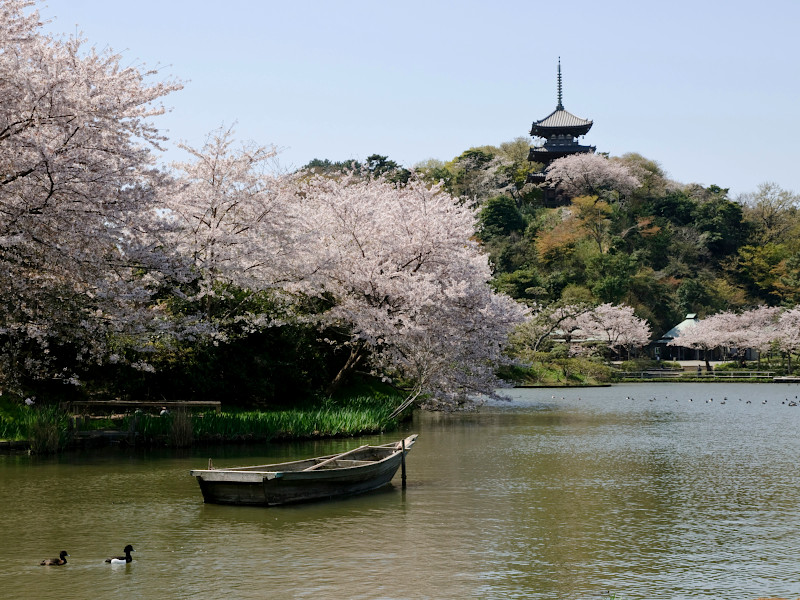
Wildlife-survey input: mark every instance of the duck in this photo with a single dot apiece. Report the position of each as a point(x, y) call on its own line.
point(121, 560)
point(61, 560)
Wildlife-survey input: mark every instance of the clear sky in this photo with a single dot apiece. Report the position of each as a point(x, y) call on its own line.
point(710, 90)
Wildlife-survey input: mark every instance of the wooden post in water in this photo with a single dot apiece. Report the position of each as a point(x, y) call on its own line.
point(403, 463)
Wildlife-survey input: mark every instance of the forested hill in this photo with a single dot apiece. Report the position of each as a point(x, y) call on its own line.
point(625, 233)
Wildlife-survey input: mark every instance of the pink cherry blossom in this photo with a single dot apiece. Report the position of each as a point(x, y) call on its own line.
point(76, 194)
point(405, 278)
point(591, 175)
point(616, 326)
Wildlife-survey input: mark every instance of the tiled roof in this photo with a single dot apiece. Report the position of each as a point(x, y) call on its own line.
point(690, 320)
point(562, 118)
point(546, 154)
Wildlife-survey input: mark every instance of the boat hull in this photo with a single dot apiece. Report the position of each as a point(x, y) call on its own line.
point(364, 470)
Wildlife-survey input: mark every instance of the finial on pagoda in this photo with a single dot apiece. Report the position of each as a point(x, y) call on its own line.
point(560, 105)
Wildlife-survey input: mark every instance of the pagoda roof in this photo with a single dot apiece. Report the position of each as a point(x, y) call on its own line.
point(546, 154)
point(560, 118)
point(560, 121)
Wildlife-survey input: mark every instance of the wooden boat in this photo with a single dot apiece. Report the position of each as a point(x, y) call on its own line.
point(353, 472)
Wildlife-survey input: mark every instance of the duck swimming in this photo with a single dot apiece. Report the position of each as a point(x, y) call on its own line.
point(61, 560)
point(121, 560)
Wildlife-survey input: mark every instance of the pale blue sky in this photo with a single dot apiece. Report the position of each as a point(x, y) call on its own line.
point(708, 89)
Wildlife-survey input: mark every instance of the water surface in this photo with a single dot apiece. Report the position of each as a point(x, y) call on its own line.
point(647, 490)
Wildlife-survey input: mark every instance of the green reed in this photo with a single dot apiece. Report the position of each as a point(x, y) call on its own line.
point(48, 429)
point(181, 430)
point(45, 428)
point(358, 415)
point(14, 421)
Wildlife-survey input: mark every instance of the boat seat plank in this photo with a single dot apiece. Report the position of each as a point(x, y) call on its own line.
point(343, 464)
point(333, 458)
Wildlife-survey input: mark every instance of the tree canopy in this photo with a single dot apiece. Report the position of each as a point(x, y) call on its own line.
point(114, 271)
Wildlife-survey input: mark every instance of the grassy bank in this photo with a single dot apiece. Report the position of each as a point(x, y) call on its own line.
point(48, 429)
point(359, 415)
point(560, 372)
point(548, 371)
point(45, 428)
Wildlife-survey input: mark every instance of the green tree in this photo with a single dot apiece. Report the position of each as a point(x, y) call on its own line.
point(324, 166)
point(773, 213)
point(380, 166)
point(516, 166)
point(435, 171)
point(610, 276)
point(720, 220)
point(677, 208)
point(474, 172)
point(757, 267)
point(692, 295)
point(787, 285)
point(498, 217)
point(592, 216)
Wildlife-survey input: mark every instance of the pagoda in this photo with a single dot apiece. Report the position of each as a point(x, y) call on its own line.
point(560, 130)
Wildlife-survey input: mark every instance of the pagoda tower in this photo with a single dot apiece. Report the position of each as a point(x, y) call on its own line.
point(560, 130)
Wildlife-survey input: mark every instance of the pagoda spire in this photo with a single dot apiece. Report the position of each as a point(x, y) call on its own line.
point(560, 131)
point(560, 104)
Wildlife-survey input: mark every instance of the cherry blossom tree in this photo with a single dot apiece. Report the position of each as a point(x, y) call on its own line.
point(405, 280)
point(76, 186)
point(591, 175)
point(733, 332)
point(616, 326)
point(726, 328)
point(230, 225)
point(788, 333)
point(758, 329)
point(707, 334)
point(544, 324)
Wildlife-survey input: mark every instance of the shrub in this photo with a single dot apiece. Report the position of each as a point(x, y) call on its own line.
point(47, 430)
point(180, 431)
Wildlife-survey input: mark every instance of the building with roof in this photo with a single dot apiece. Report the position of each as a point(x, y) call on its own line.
point(560, 131)
point(663, 350)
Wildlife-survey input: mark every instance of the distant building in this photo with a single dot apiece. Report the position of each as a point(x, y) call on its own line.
point(560, 131)
point(662, 350)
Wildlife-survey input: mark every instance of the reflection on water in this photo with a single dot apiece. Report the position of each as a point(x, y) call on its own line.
point(650, 491)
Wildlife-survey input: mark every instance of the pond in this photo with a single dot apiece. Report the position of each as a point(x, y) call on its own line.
point(644, 490)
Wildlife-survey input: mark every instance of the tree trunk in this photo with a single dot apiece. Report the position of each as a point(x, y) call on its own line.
point(356, 354)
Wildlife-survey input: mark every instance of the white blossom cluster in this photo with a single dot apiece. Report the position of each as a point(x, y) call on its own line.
point(614, 326)
point(98, 246)
point(763, 329)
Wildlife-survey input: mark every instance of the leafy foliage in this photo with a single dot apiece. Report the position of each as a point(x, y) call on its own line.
point(499, 217)
point(219, 278)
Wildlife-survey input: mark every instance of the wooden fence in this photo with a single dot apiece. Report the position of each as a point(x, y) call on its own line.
point(694, 374)
point(122, 406)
